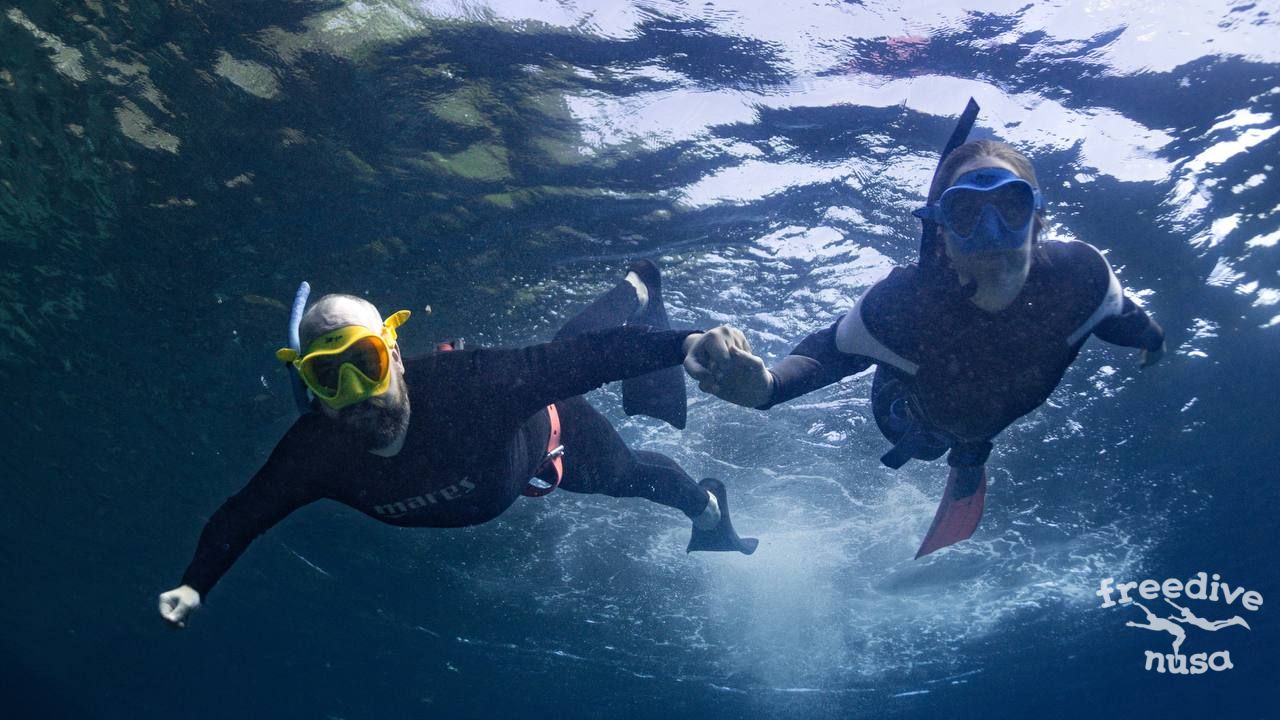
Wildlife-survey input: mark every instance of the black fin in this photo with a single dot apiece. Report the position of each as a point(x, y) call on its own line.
point(722, 537)
point(659, 394)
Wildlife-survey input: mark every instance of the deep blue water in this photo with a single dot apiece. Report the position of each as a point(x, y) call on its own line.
point(169, 172)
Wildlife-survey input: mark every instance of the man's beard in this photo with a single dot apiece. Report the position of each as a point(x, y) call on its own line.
point(379, 421)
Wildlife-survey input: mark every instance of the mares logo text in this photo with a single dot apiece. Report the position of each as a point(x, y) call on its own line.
point(408, 505)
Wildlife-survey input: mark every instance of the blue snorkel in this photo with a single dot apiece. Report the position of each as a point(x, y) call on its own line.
point(301, 396)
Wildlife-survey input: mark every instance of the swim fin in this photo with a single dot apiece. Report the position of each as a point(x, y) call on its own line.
point(659, 394)
point(958, 512)
point(722, 537)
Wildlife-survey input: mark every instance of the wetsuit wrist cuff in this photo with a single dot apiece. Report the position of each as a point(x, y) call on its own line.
point(773, 391)
point(195, 585)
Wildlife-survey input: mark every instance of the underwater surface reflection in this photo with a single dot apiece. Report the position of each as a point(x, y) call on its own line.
point(172, 170)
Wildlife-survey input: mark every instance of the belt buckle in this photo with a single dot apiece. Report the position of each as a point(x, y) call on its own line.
point(550, 457)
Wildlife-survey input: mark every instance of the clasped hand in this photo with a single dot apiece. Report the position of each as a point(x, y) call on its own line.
point(723, 364)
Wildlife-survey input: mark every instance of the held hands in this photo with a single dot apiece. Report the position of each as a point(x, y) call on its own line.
point(722, 363)
point(178, 603)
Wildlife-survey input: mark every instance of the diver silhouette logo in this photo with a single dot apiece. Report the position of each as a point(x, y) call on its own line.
point(1190, 618)
point(1198, 587)
point(1158, 623)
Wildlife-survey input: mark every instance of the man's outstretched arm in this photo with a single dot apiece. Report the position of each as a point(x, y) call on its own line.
point(279, 488)
point(530, 378)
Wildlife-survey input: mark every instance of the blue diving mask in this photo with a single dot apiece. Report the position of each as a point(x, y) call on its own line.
point(986, 209)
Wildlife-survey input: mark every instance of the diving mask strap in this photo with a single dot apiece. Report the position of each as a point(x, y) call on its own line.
point(929, 231)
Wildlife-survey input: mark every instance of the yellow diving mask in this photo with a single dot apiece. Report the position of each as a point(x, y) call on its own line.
point(348, 365)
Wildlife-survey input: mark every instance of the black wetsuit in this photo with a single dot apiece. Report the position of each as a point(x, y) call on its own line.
point(478, 432)
point(968, 373)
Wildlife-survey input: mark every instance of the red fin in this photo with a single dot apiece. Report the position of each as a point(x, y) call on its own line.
point(956, 519)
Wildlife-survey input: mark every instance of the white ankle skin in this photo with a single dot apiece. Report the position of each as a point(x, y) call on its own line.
point(642, 292)
point(710, 516)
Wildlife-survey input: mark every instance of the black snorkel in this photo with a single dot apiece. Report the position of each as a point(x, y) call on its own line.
point(929, 250)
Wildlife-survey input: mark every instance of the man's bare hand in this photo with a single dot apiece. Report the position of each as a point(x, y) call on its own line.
point(178, 603)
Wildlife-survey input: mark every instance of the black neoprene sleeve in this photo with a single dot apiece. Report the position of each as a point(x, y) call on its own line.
point(1131, 328)
point(816, 362)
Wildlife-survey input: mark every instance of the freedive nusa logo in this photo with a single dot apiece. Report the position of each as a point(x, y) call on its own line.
point(1199, 587)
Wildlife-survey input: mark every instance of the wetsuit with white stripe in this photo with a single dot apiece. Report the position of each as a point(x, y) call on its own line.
point(970, 372)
